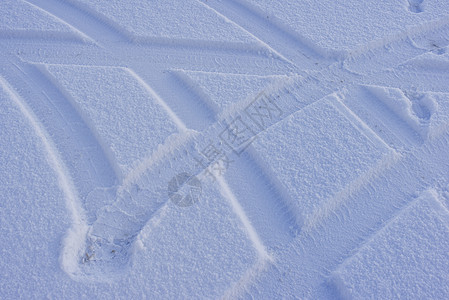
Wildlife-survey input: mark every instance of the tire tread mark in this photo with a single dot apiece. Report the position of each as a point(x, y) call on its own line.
point(289, 44)
point(73, 13)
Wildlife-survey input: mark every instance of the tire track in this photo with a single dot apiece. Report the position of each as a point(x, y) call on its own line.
point(387, 163)
point(66, 184)
point(403, 46)
point(150, 57)
point(186, 106)
point(52, 27)
point(406, 79)
point(92, 26)
point(319, 252)
point(318, 86)
point(388, 125)
point(295, 48)
point(105, 31)
point(85, 160)
point(175, 155)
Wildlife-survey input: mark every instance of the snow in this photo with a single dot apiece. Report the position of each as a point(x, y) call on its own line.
point(38, 20)
point(37, 23)
point(103, 107)
point(221, 91)
point(170, 20)
point(407, 258)
point(339, 27)
point(177, 268)
point(329, 158)
point(232, 149)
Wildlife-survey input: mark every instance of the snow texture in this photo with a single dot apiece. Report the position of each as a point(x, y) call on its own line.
point(231, 149)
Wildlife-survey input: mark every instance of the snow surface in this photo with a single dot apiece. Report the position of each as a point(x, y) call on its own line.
point(37, 22)
point(172, 20)
point(224, 149)
point(407, 258)
point(337, 26)
point(103, 106)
